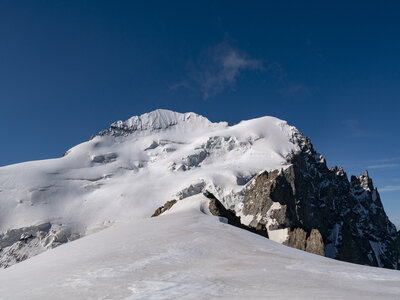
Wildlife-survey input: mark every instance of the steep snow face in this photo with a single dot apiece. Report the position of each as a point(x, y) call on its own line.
point(127, 171)
point(186, 254)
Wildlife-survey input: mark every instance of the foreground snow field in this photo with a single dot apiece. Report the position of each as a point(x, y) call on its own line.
point(186, 254)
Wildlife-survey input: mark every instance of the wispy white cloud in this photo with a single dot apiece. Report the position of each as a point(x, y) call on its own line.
point(220, 67)
point(384, 163)
point(385, 160)
point(292, 88)
point(390, 188)
point(182, 84)
point(383, 166)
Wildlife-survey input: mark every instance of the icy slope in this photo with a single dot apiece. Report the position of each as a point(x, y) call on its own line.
point(127, 171)
point(186, 254)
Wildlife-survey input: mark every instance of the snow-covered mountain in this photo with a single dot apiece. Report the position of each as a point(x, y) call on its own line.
point(263, 169)
point(125, 172)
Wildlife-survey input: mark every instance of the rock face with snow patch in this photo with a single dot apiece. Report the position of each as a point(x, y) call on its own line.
point(316, 209)
point(19, 244)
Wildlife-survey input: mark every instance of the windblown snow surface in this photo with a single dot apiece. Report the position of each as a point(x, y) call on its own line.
point(117, 180)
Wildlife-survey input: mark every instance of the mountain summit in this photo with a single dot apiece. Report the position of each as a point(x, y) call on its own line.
point(157, 120)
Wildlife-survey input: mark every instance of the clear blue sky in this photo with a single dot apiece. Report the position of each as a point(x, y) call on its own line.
point(70, 68)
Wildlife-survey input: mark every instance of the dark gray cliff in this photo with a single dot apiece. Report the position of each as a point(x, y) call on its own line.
point(398, 248)
point(321, 211)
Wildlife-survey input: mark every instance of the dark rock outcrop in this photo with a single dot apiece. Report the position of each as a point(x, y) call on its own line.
point(163, 208)
point(315, 243)
point(217, 209)
point(297, 239)
point(322, 211)
point(398, 247)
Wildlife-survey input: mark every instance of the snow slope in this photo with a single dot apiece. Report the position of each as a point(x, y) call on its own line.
point(186, 254)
